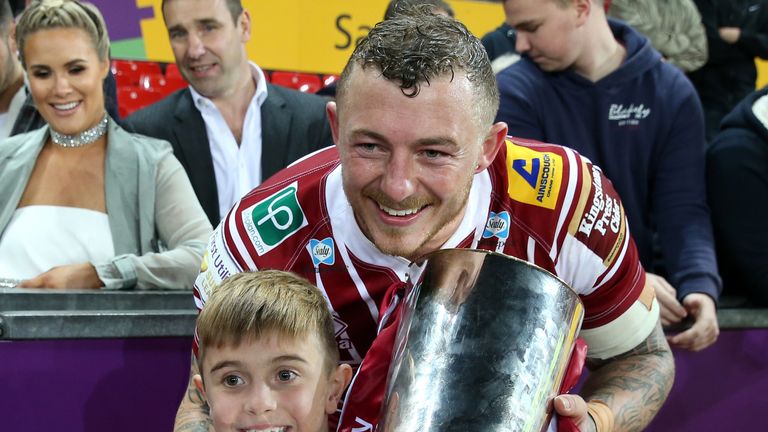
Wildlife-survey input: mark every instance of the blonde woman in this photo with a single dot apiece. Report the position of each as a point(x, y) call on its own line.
point(83, 203)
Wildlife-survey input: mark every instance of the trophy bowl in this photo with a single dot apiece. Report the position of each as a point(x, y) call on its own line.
point(483, 345)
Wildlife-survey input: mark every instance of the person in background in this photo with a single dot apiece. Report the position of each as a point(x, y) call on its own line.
point(737, 33)
point(420, 165)
point(599, 86)
point(673, 26)
point(500, 46)
point(21, 114)
point(12, 92)
point(230, 129)
point(90, 205)
point(737, 189)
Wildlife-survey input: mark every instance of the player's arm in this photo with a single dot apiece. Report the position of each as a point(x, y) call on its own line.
point(634, 385)
point(631, 362)
point(193, 414)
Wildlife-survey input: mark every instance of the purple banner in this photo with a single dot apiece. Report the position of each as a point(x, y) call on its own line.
point(94, 385)
point(723, 388)
point(129, 385)
point(123, 18)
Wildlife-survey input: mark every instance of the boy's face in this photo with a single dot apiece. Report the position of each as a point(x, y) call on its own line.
point(272, 384)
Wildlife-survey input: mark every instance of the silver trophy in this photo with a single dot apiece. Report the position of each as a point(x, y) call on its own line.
point(483, 345)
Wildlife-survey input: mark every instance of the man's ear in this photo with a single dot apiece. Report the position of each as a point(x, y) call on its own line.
point(13, 48)
point(583, 9)
point(244, 21)
point(333, 119)
point(198, 380)
point(337, 383)
point(491, 145)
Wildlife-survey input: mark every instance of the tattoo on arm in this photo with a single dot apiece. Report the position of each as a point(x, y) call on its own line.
point(634, 384)
point(195, 426)
point(194, 413)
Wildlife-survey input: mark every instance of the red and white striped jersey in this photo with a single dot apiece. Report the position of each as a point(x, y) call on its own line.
point(539, 202)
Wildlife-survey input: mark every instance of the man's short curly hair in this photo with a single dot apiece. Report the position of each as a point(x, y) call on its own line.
point(396, 7)
point(413, 49)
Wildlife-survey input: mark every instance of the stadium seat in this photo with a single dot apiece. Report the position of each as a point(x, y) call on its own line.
point(329, 79)
point(130, 99)
point(172, 71)
point(128, 72)
point(308, 83)
point(161, 83)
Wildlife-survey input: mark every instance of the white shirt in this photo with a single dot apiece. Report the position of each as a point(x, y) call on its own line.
point(7, 119)
point(237, 167)
point(31, 244)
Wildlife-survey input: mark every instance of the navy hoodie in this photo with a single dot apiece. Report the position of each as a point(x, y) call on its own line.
point(737, 186)
point(642, 124)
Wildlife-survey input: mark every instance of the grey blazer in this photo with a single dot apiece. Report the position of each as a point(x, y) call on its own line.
point(293, 124)
point(149, 202)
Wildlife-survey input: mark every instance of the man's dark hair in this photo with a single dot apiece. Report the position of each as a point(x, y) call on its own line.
point(397, 7)
point(411, 50)
point(235, 8)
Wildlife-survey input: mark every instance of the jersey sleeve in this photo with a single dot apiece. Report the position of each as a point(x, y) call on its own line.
point(569, 220)
point(217, 265)
point(599, 259)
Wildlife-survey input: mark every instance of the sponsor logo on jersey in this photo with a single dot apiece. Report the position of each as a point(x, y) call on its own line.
point(204, 263)
point(347, 349)
point(628, 115)
point(534, 176)
point(604, 213)
point(213, 269)
point(274, 219)
point(497, 225)
point(322, 251)
point(339, 326)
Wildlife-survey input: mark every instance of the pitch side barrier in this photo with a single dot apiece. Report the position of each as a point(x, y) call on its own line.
point(119, 361)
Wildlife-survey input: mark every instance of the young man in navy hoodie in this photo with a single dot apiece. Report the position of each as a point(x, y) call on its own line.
point(598, 86)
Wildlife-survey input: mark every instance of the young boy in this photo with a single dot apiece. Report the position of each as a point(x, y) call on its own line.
point(268, 356)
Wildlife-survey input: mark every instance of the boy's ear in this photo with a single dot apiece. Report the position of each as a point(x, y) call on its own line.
point(337, 383)
point(198, 380)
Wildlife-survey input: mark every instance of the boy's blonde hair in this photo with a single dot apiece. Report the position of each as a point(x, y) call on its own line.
point(51, 14)
point(249, 305)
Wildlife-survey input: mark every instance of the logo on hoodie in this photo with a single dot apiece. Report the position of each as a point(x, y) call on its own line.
point(628, 115)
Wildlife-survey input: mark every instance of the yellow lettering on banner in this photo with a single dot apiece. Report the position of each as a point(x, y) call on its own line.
point(310, 35)
point(534, 177)
point(156, 42)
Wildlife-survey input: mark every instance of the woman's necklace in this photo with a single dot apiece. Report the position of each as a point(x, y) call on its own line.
point(83, 138)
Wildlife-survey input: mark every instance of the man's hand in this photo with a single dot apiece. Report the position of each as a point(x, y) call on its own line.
point(66, 276)
point(672, 312)
point(575, 408)
point(705, 329)
point(730, 35)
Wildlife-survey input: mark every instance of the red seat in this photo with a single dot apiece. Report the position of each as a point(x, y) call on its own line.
point(128, 72)
point(329, 79)
point(161, 83)
point(127, 100)
point(172, 71)
point(308, 83)
point(130, 99)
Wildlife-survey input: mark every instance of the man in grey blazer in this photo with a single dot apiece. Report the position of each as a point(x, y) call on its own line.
point(230, 129)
